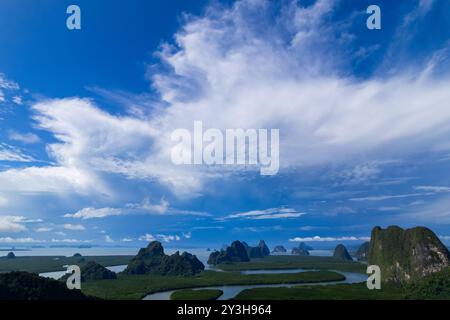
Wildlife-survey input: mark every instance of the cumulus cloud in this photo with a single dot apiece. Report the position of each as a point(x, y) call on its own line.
point(254, 75)
point(328, 239)
point(161, 237)
point(15, 223)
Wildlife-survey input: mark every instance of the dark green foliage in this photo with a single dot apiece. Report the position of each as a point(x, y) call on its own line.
point(137, 286)
point(237, 252)
point(363, 252)
point(277, 262)
point(10, 255)
point(435, 286)
point(93, 271)
point(29, 286)
point(340, 252)
point(153, 260)
point(201, 294)
point(77, 254)
point(357, 291)
point(38, 264)
point(407, 255)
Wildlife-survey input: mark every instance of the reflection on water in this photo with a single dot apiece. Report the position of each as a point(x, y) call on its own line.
point(230, 292)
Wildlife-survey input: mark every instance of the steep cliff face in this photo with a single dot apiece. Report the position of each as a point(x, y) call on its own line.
point(340, 252)
point(260, 251)
point(405, 255)
point(236, 252)
point(363, 252)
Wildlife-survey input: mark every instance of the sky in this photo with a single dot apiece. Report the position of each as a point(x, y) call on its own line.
point(86, 118)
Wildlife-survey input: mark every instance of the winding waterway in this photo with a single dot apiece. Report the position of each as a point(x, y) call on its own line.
point(231, 291)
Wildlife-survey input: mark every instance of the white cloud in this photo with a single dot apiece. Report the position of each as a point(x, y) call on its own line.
point(70, 241)
point(19, 240)
point(161, 237)
point(147, 237)
point(90, 213)
point(168, 238)
point(43, 229)
point(108, 239)
point(74, 227)
point(17, 100)
point(163, 207)
point(389, 197)
point(232, 73)
point(10, 153)
point(7, 84)
point(28, 138)
point(433, 188)
point(328, 239)
point(187, 235)
point(272, 213)
point(12, 223)
point(127, 239)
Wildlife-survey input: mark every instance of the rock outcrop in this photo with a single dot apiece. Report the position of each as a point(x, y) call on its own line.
point(405, 255)
point(363, 252)
point(300, 251)
point(260, 251)
point(279, 249)
point(153, 260)
point(10, 255)
point(340, 252)
point(236, 252)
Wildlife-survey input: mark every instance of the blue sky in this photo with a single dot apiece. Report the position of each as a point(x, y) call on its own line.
point(86, 117)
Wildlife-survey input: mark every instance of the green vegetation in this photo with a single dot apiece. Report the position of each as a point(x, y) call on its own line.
point(356, 291)
point(137, 286)
point(201, 294)
point(295, 262)
point(29, 286)
point(39, 264)
point(407, 255)
point(435, 286)
point(153, 260)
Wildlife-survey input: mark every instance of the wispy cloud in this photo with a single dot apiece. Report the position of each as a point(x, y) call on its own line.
point(28, 138)
point(74, 227)
point(272, 213)
point(20, 240)
point(328, 239)
point(10, 153)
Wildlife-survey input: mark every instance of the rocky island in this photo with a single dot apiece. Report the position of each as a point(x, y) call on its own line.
point(340, 252)
point(407, 254)
point(153, 260)
point(236, 252)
